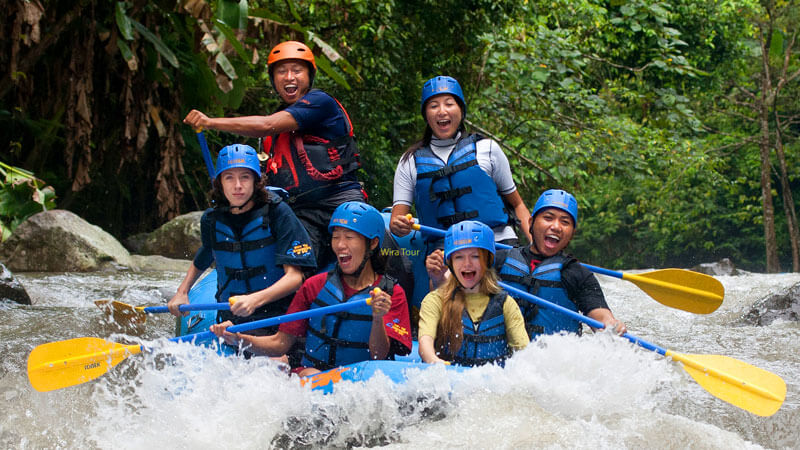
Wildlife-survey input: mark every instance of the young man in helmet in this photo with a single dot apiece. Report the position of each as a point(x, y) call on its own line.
point(379, 331)
point(257, 243)
point(543, 269)
point(469, 320)
point(309, 142)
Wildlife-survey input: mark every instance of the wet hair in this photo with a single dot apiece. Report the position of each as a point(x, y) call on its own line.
point(217, 194)
point(449, 330)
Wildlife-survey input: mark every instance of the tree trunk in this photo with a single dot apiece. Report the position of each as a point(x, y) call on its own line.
point(770, 240)
point(763, 105)
point(788, 201)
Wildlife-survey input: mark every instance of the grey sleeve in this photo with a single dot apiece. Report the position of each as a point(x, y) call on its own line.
point(500, 169)
point(405, 179)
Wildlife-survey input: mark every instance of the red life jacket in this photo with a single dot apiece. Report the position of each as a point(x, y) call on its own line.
point(309, 167)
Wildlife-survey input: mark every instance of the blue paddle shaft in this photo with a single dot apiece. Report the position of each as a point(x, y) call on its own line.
point(201, 138)
point(276, 320)
point(595, 269)
point(602, 271)
point(438, 232)
point(573, 315)
point(189, 307)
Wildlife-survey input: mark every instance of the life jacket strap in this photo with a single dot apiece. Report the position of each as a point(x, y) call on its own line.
point(449, 195)
point(236, 246)
point(244, 274)
point(447, 170)
point(447, 221)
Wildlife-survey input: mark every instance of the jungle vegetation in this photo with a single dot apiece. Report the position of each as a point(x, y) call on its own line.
point(675, 123)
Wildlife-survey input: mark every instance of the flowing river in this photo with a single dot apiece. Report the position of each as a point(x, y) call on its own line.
point(597, 391)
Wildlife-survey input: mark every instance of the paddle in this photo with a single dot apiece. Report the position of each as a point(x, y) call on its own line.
point(677, 288)
point(738, 383)
point(201, 137)
point(61, 364)
point(123, 313)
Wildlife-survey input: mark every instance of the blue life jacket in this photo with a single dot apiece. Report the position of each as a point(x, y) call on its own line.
point(340, 338)
point(459, 190)
point(544, 282)
point(485, 341)
point(246, 264)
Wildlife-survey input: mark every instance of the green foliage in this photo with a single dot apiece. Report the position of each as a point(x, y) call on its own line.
point(634, 106)
point(21, 196)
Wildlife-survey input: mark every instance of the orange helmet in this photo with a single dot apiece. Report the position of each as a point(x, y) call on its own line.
point(291, 50)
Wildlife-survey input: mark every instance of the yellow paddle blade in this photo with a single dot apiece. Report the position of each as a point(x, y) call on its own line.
point(57, 365)
point(122, 313)
point(738, 383)
point(681, 289)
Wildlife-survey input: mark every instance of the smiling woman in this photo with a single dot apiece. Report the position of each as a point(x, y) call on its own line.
point(451, 175)
point(368, 332)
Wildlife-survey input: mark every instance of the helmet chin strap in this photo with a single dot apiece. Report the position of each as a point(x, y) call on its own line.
point(231, 208)
point(453, 274)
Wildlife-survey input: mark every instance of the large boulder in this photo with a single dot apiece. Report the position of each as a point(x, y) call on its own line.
point(178, 239)
point(158, 263)
point(60, 241)
point(722, 267)
point(785, 306)
point(11, 288)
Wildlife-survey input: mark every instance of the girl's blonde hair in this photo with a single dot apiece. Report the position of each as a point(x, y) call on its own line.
point(449, 335)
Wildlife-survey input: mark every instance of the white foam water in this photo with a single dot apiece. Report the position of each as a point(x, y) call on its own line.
point(594, 391)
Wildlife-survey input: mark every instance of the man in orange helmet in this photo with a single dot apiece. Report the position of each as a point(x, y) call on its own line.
point(309, 143)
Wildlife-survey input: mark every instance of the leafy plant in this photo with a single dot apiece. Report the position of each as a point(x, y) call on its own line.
point(21, 196)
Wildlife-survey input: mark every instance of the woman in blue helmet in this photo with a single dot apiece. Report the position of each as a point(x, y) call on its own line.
point(379, 331)
point(470, 320)
point(257, 243)
point(544, 270)
point(451, 175)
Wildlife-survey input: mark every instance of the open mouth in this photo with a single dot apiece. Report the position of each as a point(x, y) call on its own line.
point(344, 259)
point(551, 240)
point(290, 89)
point(469, 278)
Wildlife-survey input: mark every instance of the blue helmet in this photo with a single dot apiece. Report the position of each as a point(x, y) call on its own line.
point(359, 217)
point(238, 155)
point(442, 85)
point(468, 234)
point(556, 198)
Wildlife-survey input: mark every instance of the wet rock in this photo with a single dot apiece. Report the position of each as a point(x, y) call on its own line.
point(159, 263)
point(178, 239)
point(722, 267)
point(135, 242)
point(60, 241)
point(11, 288)
point(785, 306)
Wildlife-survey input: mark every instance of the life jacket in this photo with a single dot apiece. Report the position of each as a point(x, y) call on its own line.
point(544, 282)
point(246, 264)
point(340, 338)
point(310, 167)
point(484, 341)
point(459, 190)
